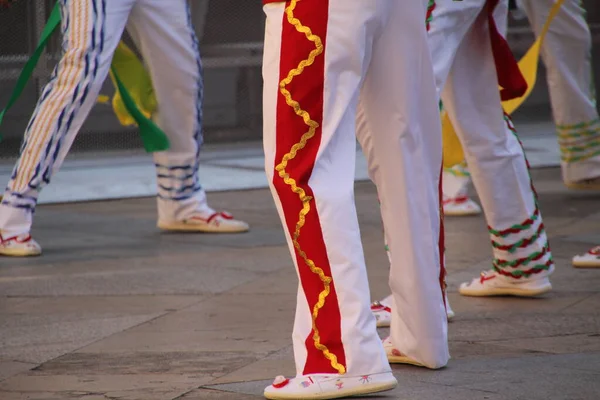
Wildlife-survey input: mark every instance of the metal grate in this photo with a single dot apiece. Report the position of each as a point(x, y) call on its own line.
point(230, 32)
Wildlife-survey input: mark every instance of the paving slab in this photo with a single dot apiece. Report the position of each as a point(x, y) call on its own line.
point(279, 362)
point(35, 340)
point(560, 344)
point(9, 368)
point(115, 309)
point(127, 386)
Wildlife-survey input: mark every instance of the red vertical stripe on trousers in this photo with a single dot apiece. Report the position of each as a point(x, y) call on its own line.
point(308, 90)
point(442, 239)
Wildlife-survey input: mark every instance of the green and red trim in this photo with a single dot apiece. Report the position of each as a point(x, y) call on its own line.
point(518, 274)
point(579, 142)
point(512, 267)
point(430, 7)
point(536, 256)
point(517, 228)
point(521, 244)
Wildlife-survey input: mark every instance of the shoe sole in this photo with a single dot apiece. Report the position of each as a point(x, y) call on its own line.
point(506, 292)
point(362, 390)
point(404, 360)
point(462, 213)
point(583, 186)
point(19, 253)
point(195, 228)
point(586, 264)
point(385, 324)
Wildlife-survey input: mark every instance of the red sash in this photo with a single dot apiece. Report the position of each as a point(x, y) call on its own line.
point(510, 78)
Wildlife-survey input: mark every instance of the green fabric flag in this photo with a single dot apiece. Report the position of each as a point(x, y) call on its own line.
point(27, 71)
point(136, 80)
point(154, 139)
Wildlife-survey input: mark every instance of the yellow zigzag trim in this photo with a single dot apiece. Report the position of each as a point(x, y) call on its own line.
point(280, 168)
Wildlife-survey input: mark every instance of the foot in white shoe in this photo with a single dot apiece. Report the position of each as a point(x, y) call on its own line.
point(219, 222)
point(19, 246)
point(490, 283)
point(460, 206)
point(329, 386)
point(395, 356)
point(591, 259)
point(383, 313)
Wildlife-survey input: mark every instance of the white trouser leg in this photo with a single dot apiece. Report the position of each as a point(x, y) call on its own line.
point(452, 20)
point(567, 56)
point(445, 32)
point(310, 165)
point(166, 38)
point(449, 24)
point(496, 159)
point(91, 31)
point(406, 154)
point(404, 157)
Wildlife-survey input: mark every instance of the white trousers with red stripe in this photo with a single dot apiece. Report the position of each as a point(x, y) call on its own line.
point(91, 31)
point(466, 75)
point(378, 49)
point(567, 55)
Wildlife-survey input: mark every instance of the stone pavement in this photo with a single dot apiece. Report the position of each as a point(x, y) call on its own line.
point(116, 310)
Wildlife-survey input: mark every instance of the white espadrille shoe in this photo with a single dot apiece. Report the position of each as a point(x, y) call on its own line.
point(329, 386)
point(460, 206)
point(218, 222)
point(19, 246)
point(490, 283)
point(394, 355)
point(591, 259)
point(383, 312)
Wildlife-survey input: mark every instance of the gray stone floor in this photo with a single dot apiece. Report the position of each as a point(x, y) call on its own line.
point(116, 310)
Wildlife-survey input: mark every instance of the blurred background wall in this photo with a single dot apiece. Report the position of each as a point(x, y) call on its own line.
point(231, 33)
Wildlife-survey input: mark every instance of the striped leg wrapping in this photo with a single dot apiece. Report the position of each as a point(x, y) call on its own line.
point(579, 142)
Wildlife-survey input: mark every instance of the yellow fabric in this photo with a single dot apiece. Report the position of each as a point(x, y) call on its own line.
point(137, 80)
point(452, 149)
point(529, 63)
